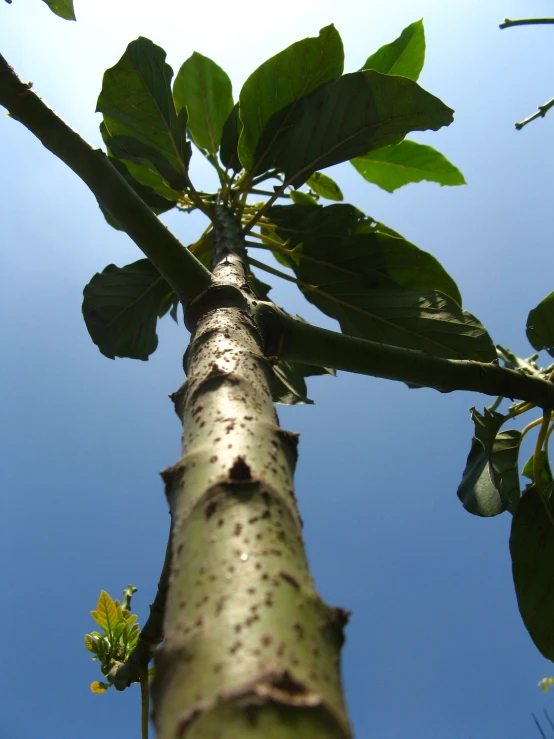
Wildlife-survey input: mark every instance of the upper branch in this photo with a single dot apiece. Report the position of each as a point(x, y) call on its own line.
point(292, 339)
point(186, 275)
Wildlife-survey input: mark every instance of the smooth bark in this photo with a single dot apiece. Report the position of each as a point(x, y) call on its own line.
point(250, 648)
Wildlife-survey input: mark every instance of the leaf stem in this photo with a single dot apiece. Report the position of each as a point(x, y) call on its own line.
point(272, 270)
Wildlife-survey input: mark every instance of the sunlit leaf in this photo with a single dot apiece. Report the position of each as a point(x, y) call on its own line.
point(532, 550)
point(395, 166)
point(105, 614)
point(121, 307)
point(284, 79)
point(345, 119)
point(540, 325)
point(62, 8)
point(302, 198)
point(136, 102)
point(90, 643)
point(205, 90)
point(98, 687)
point(324, 186)
point(404, 56)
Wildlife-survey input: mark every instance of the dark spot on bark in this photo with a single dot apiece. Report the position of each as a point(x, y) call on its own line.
point(298, 628)
point(240, 471)
point(265, 639)
point(237, 529)
point(220, 522)
point(210, 509)
point(235, 647)
point(213, 459)
point(287, 577)
point(251, 591)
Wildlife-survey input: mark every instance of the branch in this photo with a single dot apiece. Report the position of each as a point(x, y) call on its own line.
point(132, 670)
point(541, 112)
point(508, 23)
point(295, 340)
point(186, 275)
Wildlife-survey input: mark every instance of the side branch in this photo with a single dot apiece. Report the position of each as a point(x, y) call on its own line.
point(186, 275)
point(294, 340)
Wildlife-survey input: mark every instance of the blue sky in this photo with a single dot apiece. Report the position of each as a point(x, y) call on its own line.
point(435, 646)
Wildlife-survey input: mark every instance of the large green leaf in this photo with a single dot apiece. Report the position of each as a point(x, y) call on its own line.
point(532, 550)
point(395, 166)
point(378, 287)
point(404, 56)
point(146, 158)
point(540, 325)
point(284, 79)
point(136, 101)
point(121, 307)
point(325, 187)
point(336, 254)
point(228, 152)
point(289, 386)
point(205, 90)
point(490, 483)
point(348, 118)
point(62, 8)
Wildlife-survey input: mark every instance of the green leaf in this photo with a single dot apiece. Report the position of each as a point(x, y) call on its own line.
point(284, 79)
point(205, 90)
point(540, 325)
point(228, 152)
point(324, 186)
point(404, 56)
point(136, 101)
point(378, 287)
point(144, 180)
point(105, 614)
point(490, 483)
point(302, 198)
point(348, 118)
point(98, 687)
point(146, 157)
point(544, 470)
point(289, 386)
point(121, 307)
point(532, 550)
point(395, 166)
point(62, 8)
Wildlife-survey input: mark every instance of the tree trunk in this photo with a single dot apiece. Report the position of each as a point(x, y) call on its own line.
point(250, 648)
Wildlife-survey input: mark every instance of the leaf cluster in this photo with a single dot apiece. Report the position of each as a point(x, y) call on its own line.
point(119, 635)
point(296, 114)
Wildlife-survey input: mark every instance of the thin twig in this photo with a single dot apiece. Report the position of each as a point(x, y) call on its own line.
point(509, 23)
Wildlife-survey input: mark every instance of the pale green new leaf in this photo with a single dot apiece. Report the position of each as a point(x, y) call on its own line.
point(105, 614)
point(405, 56)
point(205, 90)
point(284, 79)
point(395, 166)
